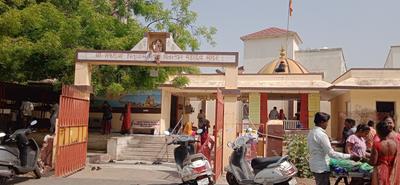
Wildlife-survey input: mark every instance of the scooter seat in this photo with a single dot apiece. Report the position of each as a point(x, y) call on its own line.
point(12, 150)
point(261, 163)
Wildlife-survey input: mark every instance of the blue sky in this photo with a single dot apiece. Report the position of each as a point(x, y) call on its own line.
point(365, 29)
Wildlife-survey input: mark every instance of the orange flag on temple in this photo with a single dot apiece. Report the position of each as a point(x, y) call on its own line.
point(290, 7)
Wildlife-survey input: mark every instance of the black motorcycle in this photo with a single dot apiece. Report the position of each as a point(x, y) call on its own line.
point(18, 154)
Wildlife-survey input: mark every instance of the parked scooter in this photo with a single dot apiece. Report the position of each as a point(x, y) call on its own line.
point(18, 154)
point(266, 171)
point(192, 168)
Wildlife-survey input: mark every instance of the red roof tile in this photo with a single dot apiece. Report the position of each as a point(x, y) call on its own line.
point(269, 32)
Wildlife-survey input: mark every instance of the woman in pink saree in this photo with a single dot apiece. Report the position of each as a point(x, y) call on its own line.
point(385, 155)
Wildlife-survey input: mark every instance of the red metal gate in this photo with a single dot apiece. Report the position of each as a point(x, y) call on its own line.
point(72, 130)
point(219, 128)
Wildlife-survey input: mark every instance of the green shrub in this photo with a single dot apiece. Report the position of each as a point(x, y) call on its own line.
point(180, 81)
point(298, 153)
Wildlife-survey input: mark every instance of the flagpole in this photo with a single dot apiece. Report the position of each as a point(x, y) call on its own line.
point(287, 27)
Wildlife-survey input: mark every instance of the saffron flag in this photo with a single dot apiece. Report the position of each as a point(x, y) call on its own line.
point(290, 7)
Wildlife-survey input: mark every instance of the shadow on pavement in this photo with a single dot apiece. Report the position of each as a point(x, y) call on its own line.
point(171, 174)
point(18, 180)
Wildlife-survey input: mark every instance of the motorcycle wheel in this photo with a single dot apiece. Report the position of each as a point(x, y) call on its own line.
point(211, 181)
point(3, 180)
point(38, 172)
point(230, 178)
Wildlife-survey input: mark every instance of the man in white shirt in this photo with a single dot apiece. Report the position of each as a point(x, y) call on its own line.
point(320, 150)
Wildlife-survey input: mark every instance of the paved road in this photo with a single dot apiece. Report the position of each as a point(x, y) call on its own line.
point(113, 174)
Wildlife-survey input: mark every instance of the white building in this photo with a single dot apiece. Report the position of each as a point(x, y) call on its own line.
point(330, 62)
point(393, 58)
point(263, 47)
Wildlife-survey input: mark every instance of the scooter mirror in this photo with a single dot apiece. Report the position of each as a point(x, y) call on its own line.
point(2, 134)
point(199, 131)
point(167, 133)
point(33, 122)
point(249, 130)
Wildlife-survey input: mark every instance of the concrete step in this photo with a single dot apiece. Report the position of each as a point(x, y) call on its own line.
point(146, 145)
point(147, 158)
point(142, 153)
point(134, 141)
point(147, 149)
point(150, 138)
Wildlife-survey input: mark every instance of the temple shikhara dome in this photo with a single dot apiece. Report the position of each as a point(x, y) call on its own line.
point(283, 65)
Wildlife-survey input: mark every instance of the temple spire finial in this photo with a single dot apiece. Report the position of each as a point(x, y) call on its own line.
point(283, 53)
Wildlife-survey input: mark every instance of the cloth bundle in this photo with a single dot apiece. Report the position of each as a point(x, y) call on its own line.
point(342, 166)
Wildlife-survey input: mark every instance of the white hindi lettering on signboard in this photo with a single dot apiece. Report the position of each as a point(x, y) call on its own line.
point(226, 58)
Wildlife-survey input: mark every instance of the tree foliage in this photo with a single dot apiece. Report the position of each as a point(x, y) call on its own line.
point(39, 38)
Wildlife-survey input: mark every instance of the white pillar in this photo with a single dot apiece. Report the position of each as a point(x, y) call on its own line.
point(165, 110)
point(230, 111)
point(83, 74)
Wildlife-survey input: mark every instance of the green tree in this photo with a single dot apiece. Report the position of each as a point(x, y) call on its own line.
point(38, 39)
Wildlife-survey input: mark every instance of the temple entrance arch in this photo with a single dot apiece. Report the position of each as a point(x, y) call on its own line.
point(155, 49)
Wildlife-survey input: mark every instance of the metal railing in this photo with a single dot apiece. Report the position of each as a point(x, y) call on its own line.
point(292, 125)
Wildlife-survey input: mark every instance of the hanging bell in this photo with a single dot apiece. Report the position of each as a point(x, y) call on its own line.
point(153, 73)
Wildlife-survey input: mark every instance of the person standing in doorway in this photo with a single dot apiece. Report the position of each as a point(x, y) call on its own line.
point(107, 117)
point(201, 118)
point(274, 114)
point(320, 150)
point(282, 115)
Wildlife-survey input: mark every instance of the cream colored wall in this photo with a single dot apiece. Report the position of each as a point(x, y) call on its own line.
point(365, 100)
point(116, 122)
point(325, 106)
point(362, 106)
point(338, 114)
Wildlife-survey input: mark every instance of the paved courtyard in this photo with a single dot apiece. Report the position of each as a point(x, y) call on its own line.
point(120, 173)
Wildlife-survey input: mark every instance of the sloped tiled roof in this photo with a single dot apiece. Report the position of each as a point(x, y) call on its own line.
point(269, 32)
